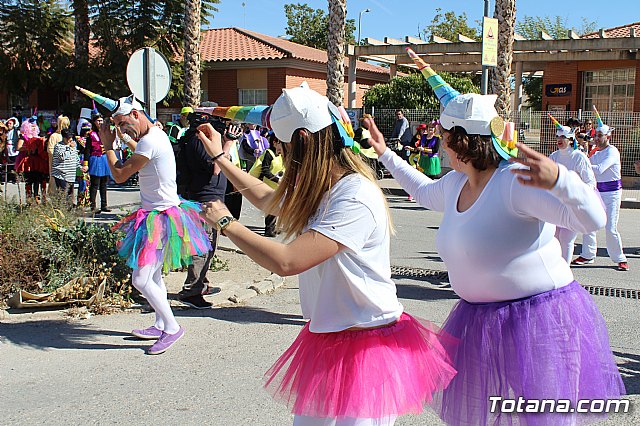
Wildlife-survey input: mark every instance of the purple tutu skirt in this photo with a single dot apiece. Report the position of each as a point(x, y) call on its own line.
point(372, 373)
point(552, 345)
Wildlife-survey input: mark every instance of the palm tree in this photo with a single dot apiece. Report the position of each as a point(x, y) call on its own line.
point(81, 33)
point(505, 12)
point(191, 53)
point(335, 63)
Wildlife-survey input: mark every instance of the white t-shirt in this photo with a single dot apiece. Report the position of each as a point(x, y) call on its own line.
point(606, 164)
point(503, 246)
point(157, 178)
point(354, 287)
point(577, 161)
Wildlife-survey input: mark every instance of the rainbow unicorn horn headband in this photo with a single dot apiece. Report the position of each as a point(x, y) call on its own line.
point(601, 127)
point(562, 130)
point(476, 114)
point(441, 88)
point(296, 108)
point(122, 106)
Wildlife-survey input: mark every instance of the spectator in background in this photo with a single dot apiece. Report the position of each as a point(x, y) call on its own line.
point(33, 161)
point(95, 159)
point(82, 173)
point(252, 145)
point(401, 133)
point(586, 137)
point(271, 172)
point(43, 124)
point(429, 148)
point(56, 137)
point(203, 182)
point(13, 135)
point(65, 163)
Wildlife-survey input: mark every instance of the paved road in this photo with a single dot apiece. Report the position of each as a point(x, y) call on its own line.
point(59, 371)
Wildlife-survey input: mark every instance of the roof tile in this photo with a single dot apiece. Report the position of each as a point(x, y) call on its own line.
point(229, 44)
point(616, 32)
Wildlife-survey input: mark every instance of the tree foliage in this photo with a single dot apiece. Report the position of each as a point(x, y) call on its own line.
point(413, 92)
point(449, 24)
point(36, 42)
point(533, 88)
point(556, 26)
point(309, 26)
point(121, 27)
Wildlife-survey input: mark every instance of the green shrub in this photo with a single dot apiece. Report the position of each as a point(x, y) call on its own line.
point(44, 246)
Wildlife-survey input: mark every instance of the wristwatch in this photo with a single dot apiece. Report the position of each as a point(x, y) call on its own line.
point(223, 222)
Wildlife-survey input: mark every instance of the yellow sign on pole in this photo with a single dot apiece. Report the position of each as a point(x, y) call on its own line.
point(489, 42)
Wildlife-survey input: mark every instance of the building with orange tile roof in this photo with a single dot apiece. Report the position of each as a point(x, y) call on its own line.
point(242, 67)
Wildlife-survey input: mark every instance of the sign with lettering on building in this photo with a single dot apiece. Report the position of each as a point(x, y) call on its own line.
point(555, 90)
point(489, 42)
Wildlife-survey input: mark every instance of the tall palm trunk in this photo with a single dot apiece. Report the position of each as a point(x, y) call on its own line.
point(191, 89)
point(335, 48)
point(81, 33)
point(500, 84)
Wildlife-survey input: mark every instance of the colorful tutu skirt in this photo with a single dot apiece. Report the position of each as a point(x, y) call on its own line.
point(370, 373)
point(172, 236)
point(549, 346)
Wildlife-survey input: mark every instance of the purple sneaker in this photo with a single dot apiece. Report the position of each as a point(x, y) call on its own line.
point(151, 333)
point(165, 342)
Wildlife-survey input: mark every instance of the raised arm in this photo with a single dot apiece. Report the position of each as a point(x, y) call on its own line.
point(549, 192)
point(426, 192)
point(306, 251)
point(257, 192)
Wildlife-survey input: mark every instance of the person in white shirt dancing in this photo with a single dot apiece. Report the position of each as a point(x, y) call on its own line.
point(166, 232)
point(526, 327)
point(605, 163)
point(360, 360)
point(575, 160)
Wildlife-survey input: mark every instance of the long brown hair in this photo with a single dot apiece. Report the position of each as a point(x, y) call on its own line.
point(311, 158)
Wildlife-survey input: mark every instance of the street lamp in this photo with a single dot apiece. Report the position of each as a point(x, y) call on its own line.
point(360, 22)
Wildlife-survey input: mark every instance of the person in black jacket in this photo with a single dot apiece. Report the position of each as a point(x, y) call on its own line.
point(266, 172)
point(203, 182)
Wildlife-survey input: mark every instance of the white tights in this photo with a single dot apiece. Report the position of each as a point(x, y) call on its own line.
point(148, 280)
point(343, 421)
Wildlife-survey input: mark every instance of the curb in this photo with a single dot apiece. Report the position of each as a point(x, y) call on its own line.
point(247, 290)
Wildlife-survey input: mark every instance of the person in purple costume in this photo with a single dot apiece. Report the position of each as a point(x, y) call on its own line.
point(527, 329)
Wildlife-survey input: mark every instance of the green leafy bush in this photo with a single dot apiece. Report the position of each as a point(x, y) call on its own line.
point(413, 92)
point(43, 247)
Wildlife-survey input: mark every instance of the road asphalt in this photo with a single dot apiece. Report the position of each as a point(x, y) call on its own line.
point(61, 369)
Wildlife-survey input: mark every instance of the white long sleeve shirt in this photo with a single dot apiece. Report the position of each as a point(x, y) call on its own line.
point(575, 160)
point(503, 246)
point(606, 164)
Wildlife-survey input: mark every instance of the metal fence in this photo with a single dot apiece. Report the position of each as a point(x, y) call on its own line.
point(539, 132)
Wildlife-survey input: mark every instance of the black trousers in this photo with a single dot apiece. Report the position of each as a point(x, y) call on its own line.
point(98, 182)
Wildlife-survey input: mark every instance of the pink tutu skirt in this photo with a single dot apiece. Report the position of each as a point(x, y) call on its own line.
point(373, 373)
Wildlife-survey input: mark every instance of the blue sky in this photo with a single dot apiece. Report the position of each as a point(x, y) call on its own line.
point(399, 18)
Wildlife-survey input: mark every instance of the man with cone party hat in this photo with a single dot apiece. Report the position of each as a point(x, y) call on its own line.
point(575, 160)
point(526, 327)
point(166, 231)
point(605, 163)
